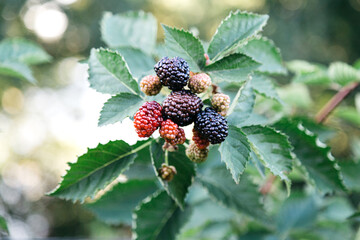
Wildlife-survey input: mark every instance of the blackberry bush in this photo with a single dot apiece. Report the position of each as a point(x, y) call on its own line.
point(247, 158)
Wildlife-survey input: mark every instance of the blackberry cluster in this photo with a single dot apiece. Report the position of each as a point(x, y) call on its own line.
point(211, 125)
point(173, 73)
point(182, 107)
point(147, 119)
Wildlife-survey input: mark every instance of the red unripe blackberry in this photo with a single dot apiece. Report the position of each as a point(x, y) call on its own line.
point(150, 85)
point(221, 103)
point(147, 119)
point(198, 83)
point(173, 73)
point(211, 125)
point(168, 130)
point(179, 139)
point(200, 141)
point(195, 154)
point(181, 107)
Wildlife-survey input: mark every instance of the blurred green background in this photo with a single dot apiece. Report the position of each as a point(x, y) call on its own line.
point(42, 127)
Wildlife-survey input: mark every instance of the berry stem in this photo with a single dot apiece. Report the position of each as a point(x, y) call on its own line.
point(335, 101)
point(167, 157)
point(186, 145)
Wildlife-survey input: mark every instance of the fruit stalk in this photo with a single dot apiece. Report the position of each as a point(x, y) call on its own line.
point(335, 101)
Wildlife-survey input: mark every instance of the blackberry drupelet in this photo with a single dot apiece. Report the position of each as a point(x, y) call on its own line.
point(173, 73)
point(147, 119)
point(211, 125)
point(181, 107)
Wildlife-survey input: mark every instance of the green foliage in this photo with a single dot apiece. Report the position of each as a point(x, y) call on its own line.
point(178, 187)
point(222, 197)
point(158, 217)
point(135, 29)
point(16, 57)
point(116, 206)
point(182, 43)
point(236, 29)
point(3, 226)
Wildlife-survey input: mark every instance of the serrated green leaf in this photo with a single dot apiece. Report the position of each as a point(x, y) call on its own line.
point(3, 226)
point(272, 147)
point(233, 68)
point(343, 73)
point(235, 29)
point(95, 169)
point(313, 154)
point(183, 44)
point(116, 205)
point(109, 73)
point(22, 51)
point(178, 187)
point(265, 52)
point(130, 29)
point(140, 63)
point(308, 73)
point(242, 105)
point(158, 218)
point(17, 70)
point(235, 151)
point(119, 107)
point(264, 86)
point(297, 212)
point(243, 197)
point(350, 173)
point(142, 167)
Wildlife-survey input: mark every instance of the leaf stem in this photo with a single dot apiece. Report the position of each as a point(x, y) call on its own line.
point(335, 101)
point(265, 189)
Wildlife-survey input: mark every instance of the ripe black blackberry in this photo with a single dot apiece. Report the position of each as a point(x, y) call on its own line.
point(147, 119)
point(181, 107)
point(173, 73)
point(211, 125)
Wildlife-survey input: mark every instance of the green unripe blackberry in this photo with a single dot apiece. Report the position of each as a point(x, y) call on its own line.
point(181, 107)
point(221, 103)
point(196, 154)
point(173, 73)
point(198, 83)
point(167, 172)
point(150, 85)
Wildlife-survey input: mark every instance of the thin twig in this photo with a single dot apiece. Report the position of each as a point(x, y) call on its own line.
point(334, 101)
point(266, 188)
